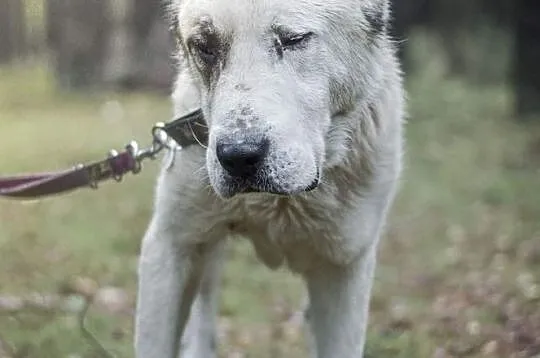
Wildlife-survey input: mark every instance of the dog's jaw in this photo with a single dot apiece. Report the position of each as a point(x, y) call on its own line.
point(229, 188)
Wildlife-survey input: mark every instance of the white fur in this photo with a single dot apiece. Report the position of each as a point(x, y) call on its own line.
point(335, 105)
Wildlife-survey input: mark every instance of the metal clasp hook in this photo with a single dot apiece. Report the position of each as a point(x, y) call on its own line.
point(160, 141)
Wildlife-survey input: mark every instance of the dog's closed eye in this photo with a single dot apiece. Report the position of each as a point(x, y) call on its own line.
point(292, 40)
point(287, 40)
point(201, 49)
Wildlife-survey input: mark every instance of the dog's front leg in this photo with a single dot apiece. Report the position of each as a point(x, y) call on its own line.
point(338, 308)
point(168, 278)
point(200, 336)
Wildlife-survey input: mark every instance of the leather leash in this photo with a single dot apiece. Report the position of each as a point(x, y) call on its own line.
point(183, 131)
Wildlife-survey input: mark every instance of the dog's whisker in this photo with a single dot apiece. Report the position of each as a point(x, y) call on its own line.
point(201, 169)
point(195, 136)
point(200, 125)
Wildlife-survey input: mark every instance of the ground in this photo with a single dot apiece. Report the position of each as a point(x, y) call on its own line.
point(459, 266)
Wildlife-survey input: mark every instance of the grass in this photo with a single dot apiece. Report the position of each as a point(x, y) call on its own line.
point(459, 266)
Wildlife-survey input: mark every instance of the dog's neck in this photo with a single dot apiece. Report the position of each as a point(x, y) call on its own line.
point(369, 155)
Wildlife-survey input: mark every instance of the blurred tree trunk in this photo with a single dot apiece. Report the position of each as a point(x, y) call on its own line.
point(76, 36)
point(140, 47)
point(451, 21)
point(455, 21)
point(406, 14)
point(527, 59)
point(465, 30)
point(117, 43)
point(12, 30)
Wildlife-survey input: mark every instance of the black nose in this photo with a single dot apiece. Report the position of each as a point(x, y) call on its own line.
point(242, 159)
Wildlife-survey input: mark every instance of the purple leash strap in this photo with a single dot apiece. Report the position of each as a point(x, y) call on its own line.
point(183, 131)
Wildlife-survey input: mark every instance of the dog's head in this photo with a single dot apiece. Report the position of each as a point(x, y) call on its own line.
point(277, 80)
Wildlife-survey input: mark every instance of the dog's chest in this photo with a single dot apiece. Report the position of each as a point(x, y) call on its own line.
point(295, 232)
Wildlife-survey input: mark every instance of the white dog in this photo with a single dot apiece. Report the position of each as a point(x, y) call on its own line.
point(304, 105)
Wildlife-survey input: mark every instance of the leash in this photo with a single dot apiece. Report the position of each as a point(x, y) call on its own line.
point(183, 131)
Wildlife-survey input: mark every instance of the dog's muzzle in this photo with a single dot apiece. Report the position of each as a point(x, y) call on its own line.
point(244, 162)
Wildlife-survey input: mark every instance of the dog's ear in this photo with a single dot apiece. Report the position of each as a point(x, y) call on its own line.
point(172, 8)
point(174, 28)
point(377, 15)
